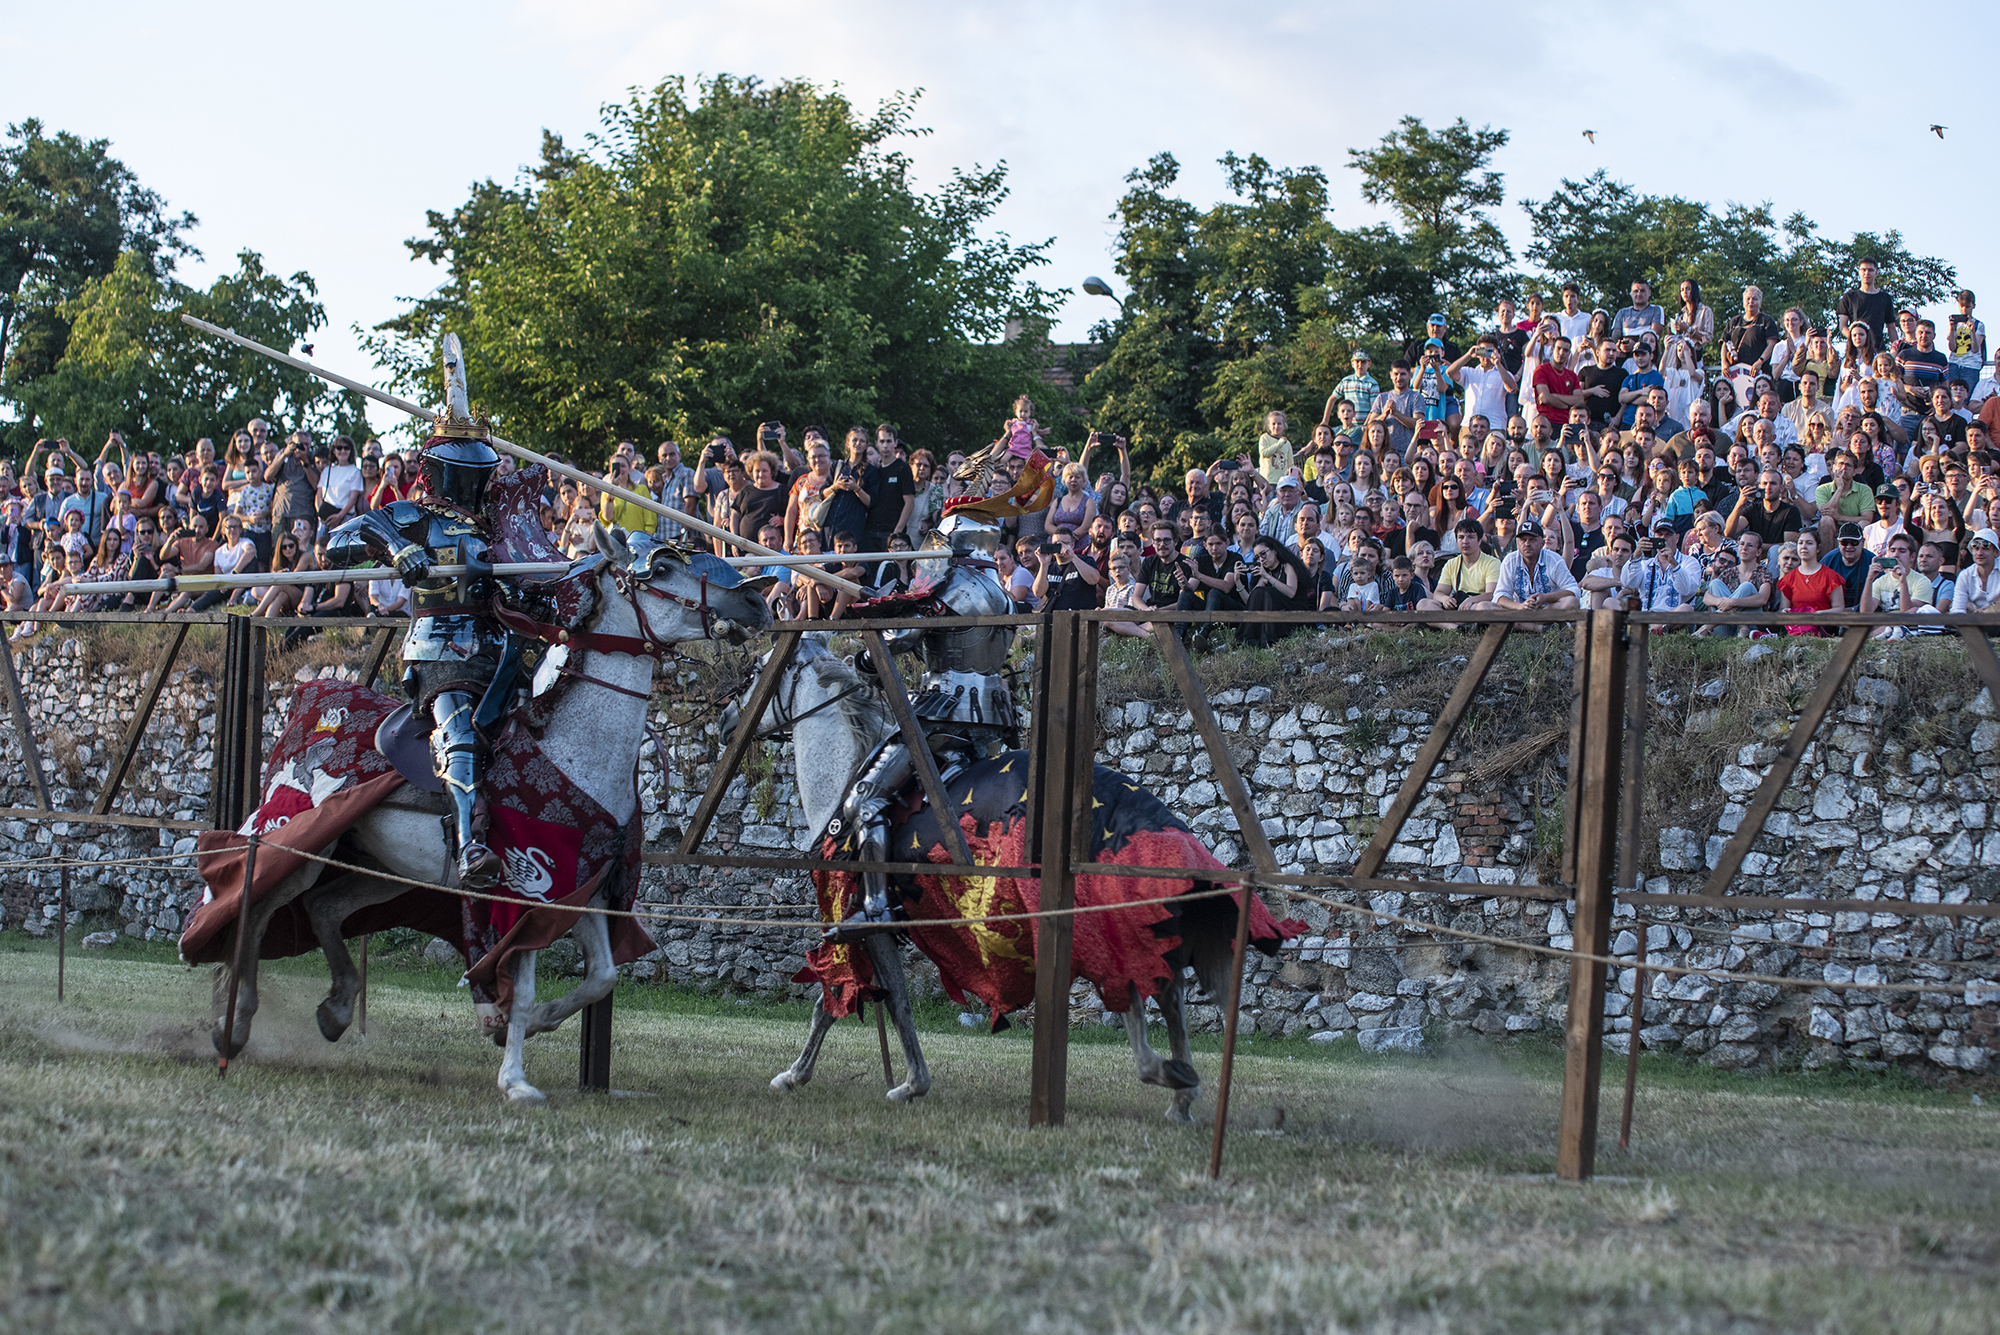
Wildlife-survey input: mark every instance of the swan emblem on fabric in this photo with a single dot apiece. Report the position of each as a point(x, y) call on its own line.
point(530, 872)
point(331, 719)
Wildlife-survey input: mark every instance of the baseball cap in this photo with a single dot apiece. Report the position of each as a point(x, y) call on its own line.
point(1529, 528)
point(1850, 533)
point(1664, 525)
point(1433, 342)
point(1290, 480)
point(1360, 355)
point(1434, 319)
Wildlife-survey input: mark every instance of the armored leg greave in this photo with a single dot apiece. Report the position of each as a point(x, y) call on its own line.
point(460, 760)
point(864, 810)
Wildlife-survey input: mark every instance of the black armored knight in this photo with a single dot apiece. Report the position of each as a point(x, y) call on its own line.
point(459, 664)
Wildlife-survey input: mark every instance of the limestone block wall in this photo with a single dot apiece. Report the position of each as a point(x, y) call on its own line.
point(1876, 811)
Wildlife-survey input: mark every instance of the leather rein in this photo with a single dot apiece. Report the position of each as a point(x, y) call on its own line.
point(646, 644)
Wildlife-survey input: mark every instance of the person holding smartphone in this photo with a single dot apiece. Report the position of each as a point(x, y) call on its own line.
point(1068, 580)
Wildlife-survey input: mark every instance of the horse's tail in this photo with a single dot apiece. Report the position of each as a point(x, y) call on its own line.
point(1208, 929)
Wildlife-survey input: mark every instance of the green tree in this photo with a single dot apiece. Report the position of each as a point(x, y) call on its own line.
point(68, 211)
point(130, 365)
point(1448, 255)
point(756, 252)
point(1201, 352)
point(1602, 234)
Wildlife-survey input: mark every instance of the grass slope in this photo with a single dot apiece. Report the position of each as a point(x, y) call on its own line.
point(379, 1185)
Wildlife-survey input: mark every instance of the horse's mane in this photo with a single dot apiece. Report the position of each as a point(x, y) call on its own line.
point(865, 711)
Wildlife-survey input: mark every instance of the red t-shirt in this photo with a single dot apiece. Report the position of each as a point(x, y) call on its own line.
point(1809, 593)
point(1560, 380)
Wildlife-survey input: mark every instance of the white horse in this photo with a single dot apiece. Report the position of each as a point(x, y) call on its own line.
point(594, 735)
point(837, 718)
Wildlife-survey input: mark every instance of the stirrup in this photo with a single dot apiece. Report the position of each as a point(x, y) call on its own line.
point(479, 867)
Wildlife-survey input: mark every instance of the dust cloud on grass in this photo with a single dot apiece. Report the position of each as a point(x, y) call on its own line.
point(380, 1185)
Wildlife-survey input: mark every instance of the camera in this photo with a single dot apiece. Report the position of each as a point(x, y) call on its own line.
point(1050, 549)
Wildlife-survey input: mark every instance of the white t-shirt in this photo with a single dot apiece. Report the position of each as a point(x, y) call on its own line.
point(234, 558)
point(1573, 327)
point(1876, 536)
point(1485, 394)
point(337, 482)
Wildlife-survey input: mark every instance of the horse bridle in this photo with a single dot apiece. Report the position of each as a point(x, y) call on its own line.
point(647, 644)
point(790, 720)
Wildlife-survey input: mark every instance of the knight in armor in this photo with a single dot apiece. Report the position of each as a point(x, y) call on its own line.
point(459, 664)
point(963, 702)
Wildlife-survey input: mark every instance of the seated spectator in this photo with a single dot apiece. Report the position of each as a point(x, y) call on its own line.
point(1735, 585)
point(1467, 579)
point(1852, 562)
point(1532, 577)
point(388, 598)
point(277, 600)
point(1661, 577)
point(1404, 592)
point(1842, 499)
point(1804, 585)
point(1603, 581)
point(1275, 577)
point(1977, 588)
point(1899, 588)
point(1358, 583)
point(1127, 593)
point(236, 556)
point(1317, 592)
point(1930, 563)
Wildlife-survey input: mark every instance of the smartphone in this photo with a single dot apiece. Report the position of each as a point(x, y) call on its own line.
point(1050, 549)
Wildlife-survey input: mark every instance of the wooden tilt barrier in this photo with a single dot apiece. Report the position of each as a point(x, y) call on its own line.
point(1602, 810)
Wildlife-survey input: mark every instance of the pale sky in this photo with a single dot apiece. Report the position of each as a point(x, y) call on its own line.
point(319, 136)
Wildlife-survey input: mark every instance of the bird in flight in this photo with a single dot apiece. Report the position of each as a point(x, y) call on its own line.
point(306, 348)
point(1939, 130)
point(1591, 135)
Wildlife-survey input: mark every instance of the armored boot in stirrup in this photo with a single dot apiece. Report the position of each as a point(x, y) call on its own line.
point(460, 759)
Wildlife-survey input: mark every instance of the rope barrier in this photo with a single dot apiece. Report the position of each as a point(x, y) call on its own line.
point(1243, 880)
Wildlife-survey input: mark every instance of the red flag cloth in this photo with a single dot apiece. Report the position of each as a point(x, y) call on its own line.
point(324, 774)
point(994, 961)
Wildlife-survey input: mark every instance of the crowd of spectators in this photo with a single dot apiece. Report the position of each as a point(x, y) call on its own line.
point(1557, 458)
point(1658, 458)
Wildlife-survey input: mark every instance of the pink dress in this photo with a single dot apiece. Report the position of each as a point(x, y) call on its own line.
point(1020, 437)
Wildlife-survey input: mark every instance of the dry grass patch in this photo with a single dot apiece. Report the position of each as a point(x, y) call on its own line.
point(379, 1185)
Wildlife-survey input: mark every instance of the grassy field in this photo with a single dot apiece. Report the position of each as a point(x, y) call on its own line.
point(379, 1185)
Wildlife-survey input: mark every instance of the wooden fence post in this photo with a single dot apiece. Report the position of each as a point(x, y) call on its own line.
point(1596, 811)
point(1058, 729)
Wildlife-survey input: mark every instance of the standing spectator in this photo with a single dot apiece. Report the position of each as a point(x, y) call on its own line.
point(927, 507)
point(1923, 368)
point(1433, 385)
point(1556, 387)
point(1434, 328)
point(1965, 343)
point(1868, 305)
point(252, 504)
point(1642, 317)
point(1572, 319)
point(1600, 384)
point(1747, 340)
point(1695, 320)
point(616, 512)
point(891, 488)
point(1486, 385)
point(294, 477)
point(1358, 388)
point(676, 484)
point(1640, 378)
point(394, 486)
point(1399, 408)
point(340, 485)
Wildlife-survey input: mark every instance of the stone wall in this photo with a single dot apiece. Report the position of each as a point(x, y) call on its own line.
point(1891, 803)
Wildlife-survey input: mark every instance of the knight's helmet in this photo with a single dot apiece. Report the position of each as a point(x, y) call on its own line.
point(965, 534)
point(458, 460)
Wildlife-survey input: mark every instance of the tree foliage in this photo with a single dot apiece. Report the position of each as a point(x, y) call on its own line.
point(68, 211)
point(1602, 234)
point(130, 365)
point(756, 252)
point(1257, 302)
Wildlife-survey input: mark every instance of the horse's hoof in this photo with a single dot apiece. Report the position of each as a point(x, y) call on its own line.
point(525, 1093)
point(785, 1082)
point(1178, 1074)
point(233, 1049)
point(331, 1025)
point(1176, 1113)
point(905, 1093)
